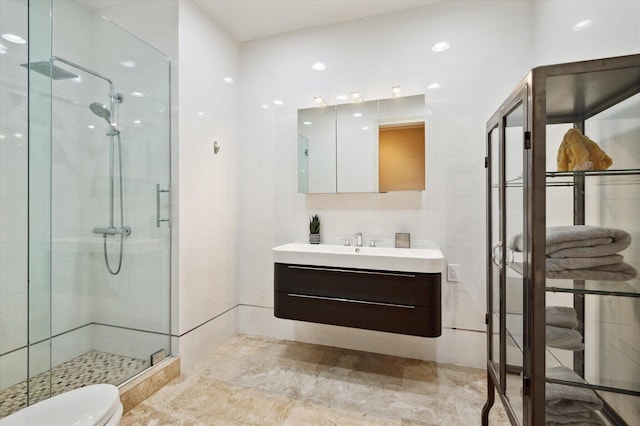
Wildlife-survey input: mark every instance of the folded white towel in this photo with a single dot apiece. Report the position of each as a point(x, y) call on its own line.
point(591, 419)
point(617, 272)
point(580, 241)
point(565, 400)
point(557, 265)
point(561, 316)
point(563, 338)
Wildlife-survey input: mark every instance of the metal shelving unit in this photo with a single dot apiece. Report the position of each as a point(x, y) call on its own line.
point(518, 189)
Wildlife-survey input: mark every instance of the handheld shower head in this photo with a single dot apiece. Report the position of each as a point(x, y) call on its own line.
point(101, 111)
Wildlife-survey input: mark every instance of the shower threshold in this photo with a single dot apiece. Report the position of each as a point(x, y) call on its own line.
point(87, 369)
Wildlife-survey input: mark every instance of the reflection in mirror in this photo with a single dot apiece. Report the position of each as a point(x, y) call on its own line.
point(317, 150)
point(401, 157)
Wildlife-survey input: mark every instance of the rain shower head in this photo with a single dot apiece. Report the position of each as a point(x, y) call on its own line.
point(101, 111)
point(49, 70)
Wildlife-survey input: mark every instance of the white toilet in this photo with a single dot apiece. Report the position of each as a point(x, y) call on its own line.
point(94, 405)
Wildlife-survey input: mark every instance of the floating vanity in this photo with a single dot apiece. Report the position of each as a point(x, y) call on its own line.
point(395, 290)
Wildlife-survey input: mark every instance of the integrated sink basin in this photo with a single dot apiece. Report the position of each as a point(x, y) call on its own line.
point(426, 260)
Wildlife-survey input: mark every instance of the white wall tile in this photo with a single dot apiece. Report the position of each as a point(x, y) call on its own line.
point(450, 212)
point(460, 347)
point(204, 339)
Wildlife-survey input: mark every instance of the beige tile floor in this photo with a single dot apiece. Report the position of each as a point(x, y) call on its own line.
point(260, 381)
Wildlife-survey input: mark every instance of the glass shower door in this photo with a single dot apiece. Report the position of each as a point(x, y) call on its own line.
point(110, 237)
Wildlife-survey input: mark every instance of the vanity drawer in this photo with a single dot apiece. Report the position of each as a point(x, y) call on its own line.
point(395, 302)
point(403, 319)
point(404, 288)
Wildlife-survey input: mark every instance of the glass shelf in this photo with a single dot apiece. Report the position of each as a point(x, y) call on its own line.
point(568, 178)
point(606, 288)
point(589, 173)
point(597, 383)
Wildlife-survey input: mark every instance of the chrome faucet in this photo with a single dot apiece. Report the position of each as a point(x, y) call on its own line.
point(358, 239)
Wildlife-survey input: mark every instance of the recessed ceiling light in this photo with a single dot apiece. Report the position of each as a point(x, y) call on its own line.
point(342, 97)
point(308, 123)
point(357, 114)
point(1, 136)
point(396, 91)
point(17, 135)
point(440, 46)
point(264, 106)
point(91, 126)
point(77, 79)
point(128, 63)
point(200, 113)
point(3, 49)
point(137, 94)
point(13, 38)
point(433, 86)
point(228, 80)
point(582, 25)
point(137, 121)
point(278, 102)
point(318, 66)
point(355, 95)
point(365, 128)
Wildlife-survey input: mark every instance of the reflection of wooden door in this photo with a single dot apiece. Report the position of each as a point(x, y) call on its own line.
point(402, 158)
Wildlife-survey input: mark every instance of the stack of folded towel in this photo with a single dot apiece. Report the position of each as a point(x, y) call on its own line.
point(582, 252)
point(570, 405)
point(560, 332)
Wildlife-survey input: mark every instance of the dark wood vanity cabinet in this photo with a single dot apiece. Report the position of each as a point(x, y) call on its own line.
point(395, 302)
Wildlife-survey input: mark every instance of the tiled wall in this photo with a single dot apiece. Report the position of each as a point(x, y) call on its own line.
point(372, 55)
point(493, 44)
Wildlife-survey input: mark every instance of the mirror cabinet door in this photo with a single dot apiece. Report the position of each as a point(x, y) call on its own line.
point(317, 150)
point(342, 148)
point(357, 153)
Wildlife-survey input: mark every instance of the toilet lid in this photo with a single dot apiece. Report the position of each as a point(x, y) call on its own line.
point(88, 406)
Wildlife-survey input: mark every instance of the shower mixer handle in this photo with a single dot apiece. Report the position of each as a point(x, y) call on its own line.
point(125, 231)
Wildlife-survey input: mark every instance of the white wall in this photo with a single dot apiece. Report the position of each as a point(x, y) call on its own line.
point(372, 55)
point(493, 44)
point(207, 183)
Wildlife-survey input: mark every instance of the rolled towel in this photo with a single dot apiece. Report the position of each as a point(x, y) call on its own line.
point(561, 316)
point(592, 419)
point(580, 241)
point(565, 400)
point(563, 338)
point(617, 272)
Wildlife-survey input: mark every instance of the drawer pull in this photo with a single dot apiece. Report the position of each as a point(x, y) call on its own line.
point(338, 299)
point(350, 271)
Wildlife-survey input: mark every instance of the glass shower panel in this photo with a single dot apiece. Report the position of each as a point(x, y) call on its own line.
point(39, 175)
point(13, 207)
point(84, 118)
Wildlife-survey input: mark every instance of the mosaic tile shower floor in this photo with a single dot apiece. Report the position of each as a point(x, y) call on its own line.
point(89, 368)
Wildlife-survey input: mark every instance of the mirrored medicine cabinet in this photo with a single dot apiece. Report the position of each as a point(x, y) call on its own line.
point(373, 146)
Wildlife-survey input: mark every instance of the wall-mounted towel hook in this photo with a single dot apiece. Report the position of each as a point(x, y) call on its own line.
point(216, 147)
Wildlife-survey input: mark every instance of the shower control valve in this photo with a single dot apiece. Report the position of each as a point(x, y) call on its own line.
point(112, 230)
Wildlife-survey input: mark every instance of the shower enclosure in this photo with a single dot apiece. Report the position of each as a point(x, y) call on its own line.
point(84, 201)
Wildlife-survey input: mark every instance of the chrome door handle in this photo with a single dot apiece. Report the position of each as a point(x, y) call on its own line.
point(496, 258)
point(158, 192)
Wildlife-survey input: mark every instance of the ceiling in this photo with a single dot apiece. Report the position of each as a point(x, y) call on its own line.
point(252, 19)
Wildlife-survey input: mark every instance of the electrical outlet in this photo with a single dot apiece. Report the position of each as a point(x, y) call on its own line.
point(453, 272)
